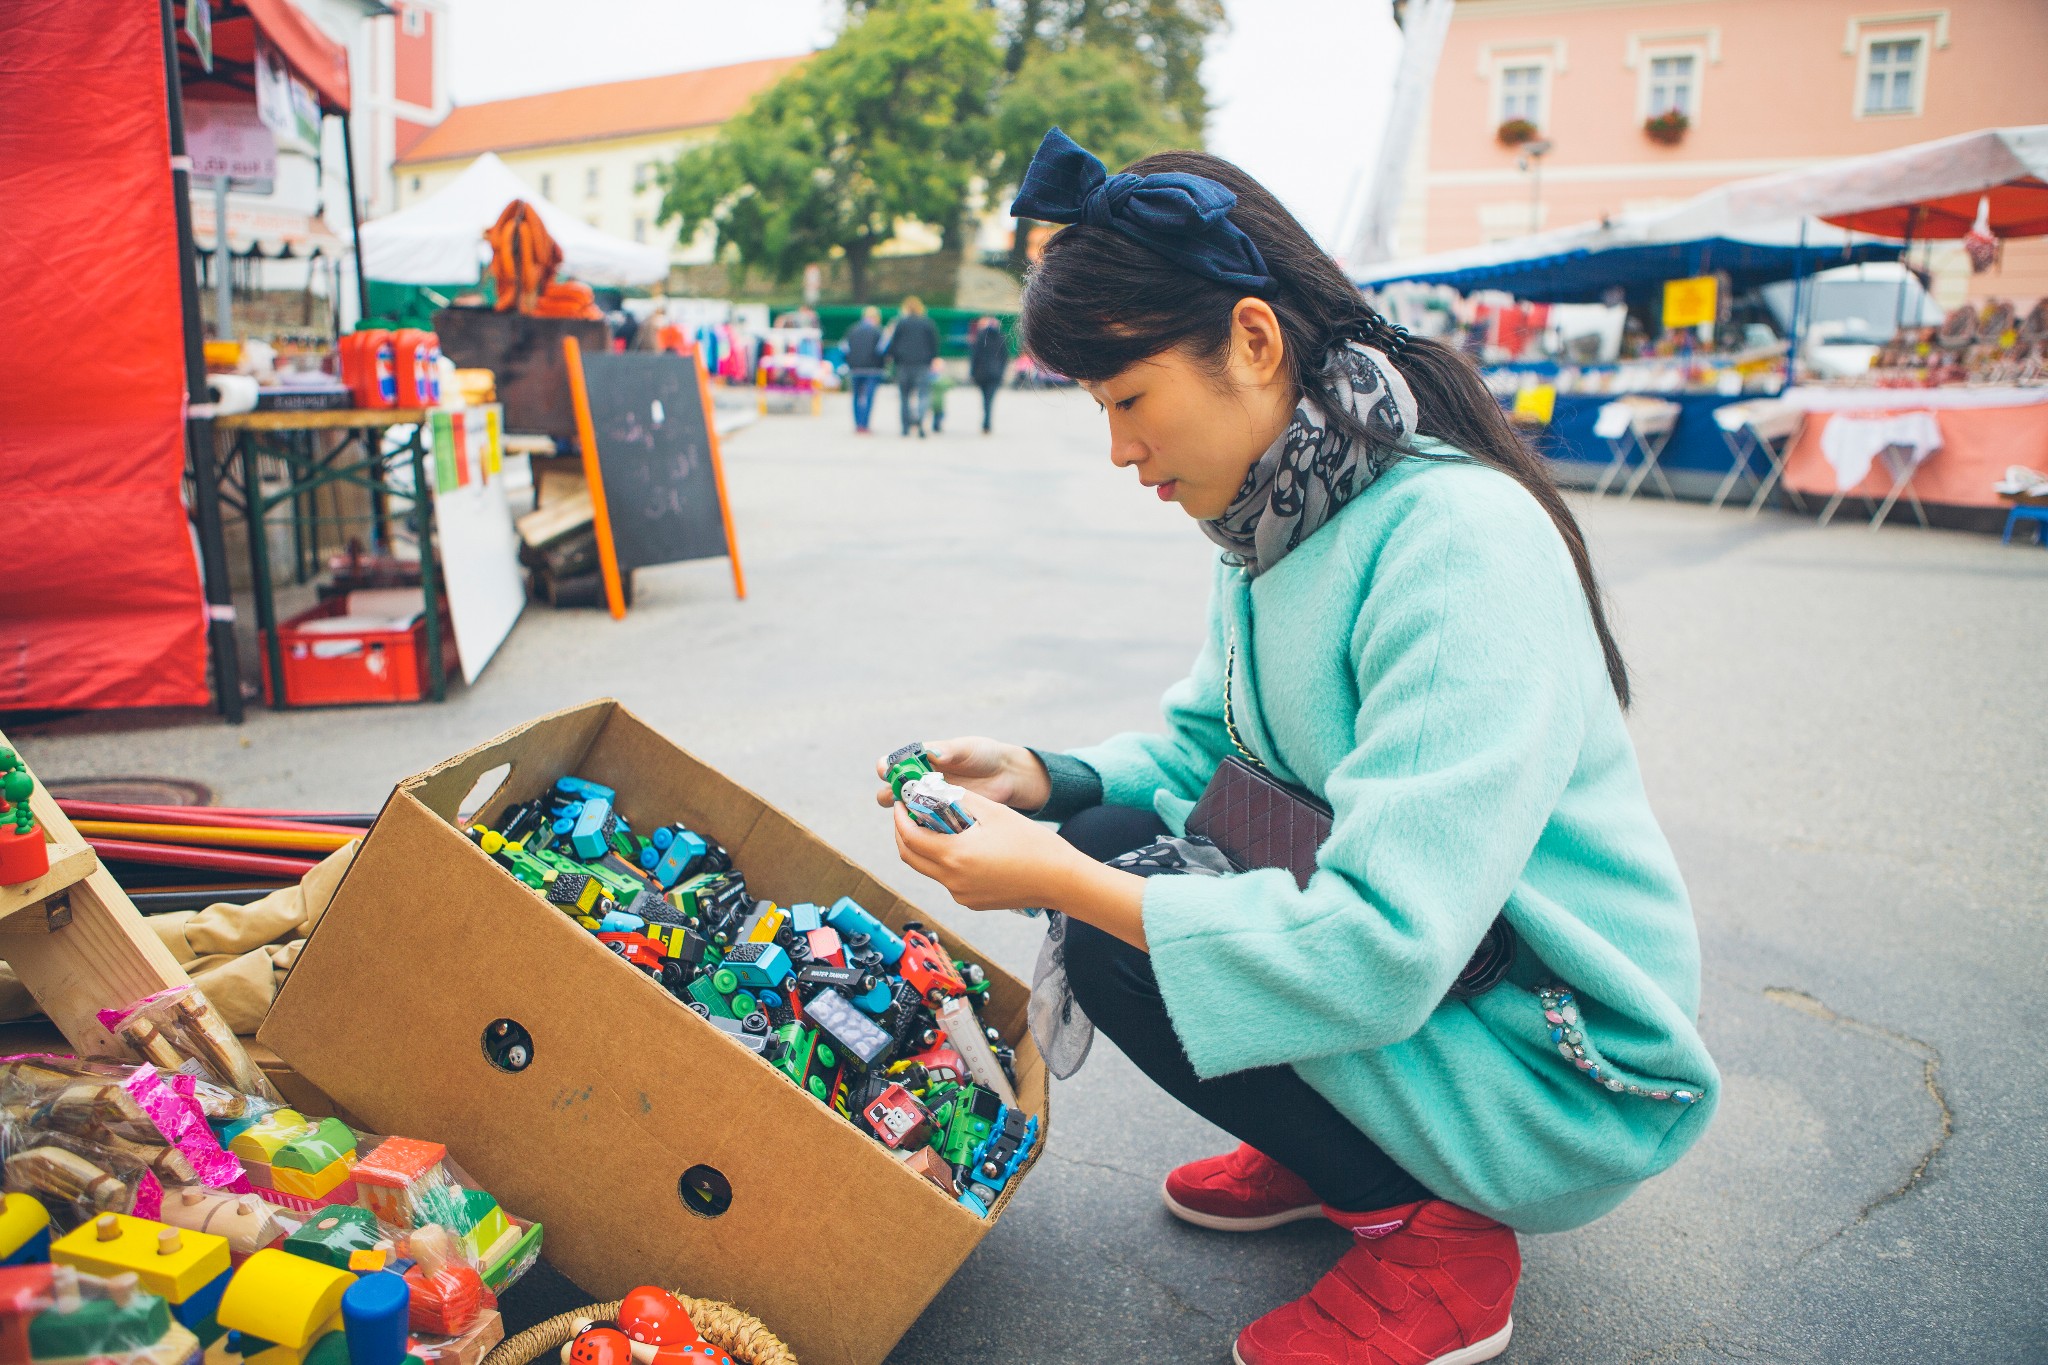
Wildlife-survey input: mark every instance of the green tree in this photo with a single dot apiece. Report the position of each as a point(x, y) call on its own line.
point(1104, 100)
point(1123, 77)
point(891, 122)
point(1167, 38)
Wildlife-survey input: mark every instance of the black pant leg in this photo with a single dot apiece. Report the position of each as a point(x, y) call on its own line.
point(1102, 832)
point(1272, 1108)
point(988, 405)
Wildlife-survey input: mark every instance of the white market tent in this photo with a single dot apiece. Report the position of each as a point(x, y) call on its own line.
point(440, 240)
point(1930, 189)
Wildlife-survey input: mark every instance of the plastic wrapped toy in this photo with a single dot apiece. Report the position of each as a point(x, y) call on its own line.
point(54, 1313)
point(178, 1029)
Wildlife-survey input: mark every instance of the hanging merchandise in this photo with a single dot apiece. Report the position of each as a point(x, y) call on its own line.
point(1979, 242)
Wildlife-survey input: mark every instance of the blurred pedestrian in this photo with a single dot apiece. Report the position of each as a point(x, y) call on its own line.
point(864, 366)
point(988, 357)
point(914, 350)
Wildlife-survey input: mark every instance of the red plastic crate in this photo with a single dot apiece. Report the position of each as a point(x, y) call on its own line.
point(355, 667)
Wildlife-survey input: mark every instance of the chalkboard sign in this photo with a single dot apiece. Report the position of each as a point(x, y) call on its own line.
point(656, 455)
point(525, 353)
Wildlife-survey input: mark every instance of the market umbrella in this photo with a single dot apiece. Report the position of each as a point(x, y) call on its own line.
point(1930, 189)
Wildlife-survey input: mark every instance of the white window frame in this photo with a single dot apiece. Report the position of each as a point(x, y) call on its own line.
point(1703, 45)
point(547, 185)
point(1495, 58)
point(414, 21)
point(1541, 67)
point(592, 181)
point(1868, 39)
point(1653, 55)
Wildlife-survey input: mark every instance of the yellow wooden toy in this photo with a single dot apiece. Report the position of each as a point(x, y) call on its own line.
point(22, 1220)
point(285, 1300)
point(172, 1263)
point(262, 1140)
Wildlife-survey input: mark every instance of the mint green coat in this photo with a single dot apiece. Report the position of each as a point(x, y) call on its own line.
point(1427, 664)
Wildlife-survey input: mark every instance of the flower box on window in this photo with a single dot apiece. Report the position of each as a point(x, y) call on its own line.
point(1516, 131)
point(1668, 128)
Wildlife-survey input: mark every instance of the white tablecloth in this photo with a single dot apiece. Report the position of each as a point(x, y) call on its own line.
point(1851, 443)
point(1870, 398)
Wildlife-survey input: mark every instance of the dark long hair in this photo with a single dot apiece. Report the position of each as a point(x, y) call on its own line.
point(1098, 302)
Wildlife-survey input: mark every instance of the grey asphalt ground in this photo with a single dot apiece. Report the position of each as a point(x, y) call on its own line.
point(1844, 733)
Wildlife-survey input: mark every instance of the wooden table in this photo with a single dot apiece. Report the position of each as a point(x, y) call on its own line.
point(353, 454)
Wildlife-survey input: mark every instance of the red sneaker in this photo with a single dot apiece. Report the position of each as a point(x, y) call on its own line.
point(1426, 1284)
point(1242, 1191)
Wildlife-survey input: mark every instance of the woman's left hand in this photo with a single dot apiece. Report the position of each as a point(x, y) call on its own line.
point(1004, 861)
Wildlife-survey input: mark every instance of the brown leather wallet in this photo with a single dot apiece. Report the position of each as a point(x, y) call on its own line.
point(1256, 820)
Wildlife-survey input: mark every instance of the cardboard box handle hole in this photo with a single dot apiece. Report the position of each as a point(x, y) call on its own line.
point(705, 1191)
point(508, 1046)
point(481, 791)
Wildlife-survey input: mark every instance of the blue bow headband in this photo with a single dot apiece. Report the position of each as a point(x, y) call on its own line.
point(1180, 216)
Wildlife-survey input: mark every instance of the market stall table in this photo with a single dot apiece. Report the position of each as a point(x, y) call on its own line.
point(1761, 429)
point(353, 454)
point(1983, 431)
point(1635, 426)
point(1695, 459)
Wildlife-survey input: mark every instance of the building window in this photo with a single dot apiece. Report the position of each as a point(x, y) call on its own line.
point(414, 18)
point(1891, 76)
point(590, 182)
point(1671, 85)
point(1521, 93)
point(640, 230)
point(547, 185)
point(415, 184)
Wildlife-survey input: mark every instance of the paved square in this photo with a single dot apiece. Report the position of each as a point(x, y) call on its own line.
point(1844, 733)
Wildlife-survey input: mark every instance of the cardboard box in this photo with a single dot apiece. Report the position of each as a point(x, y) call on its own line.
point(829, 1240)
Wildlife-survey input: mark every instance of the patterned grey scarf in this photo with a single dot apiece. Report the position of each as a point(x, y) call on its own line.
point(1314, 469)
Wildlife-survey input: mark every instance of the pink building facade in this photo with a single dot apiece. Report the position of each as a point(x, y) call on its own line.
point(1765, 85)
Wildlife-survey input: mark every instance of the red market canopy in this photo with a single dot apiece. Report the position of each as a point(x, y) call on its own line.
point(1930, 189)
point(315, 58)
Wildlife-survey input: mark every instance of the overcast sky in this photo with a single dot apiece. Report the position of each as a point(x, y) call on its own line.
point(1299, 85)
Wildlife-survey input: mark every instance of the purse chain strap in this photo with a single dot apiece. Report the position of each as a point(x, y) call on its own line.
point(1230, 711)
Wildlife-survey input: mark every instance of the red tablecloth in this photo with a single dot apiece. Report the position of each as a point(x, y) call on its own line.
point(1977, 443)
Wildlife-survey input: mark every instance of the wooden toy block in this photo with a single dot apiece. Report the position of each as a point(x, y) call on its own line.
point(174, 1264)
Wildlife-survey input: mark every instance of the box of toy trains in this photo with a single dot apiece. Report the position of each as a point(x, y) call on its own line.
point(655, 1147)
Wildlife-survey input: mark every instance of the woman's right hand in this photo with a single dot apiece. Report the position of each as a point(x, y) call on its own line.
point(1008, 773)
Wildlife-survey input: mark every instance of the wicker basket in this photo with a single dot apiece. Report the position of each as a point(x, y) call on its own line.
point(741, 1336)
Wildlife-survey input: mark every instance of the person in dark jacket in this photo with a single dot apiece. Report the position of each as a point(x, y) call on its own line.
point(914, 350)
point(864, 365)
point(988, 358)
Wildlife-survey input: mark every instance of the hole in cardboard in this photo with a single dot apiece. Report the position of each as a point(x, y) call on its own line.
point(508, 1046)
point(481, 791)
point(705, 1191)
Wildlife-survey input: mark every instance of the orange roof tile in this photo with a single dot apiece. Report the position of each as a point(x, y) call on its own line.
point(654, 104)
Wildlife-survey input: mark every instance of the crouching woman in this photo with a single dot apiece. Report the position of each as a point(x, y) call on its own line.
point(1462, 1006)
